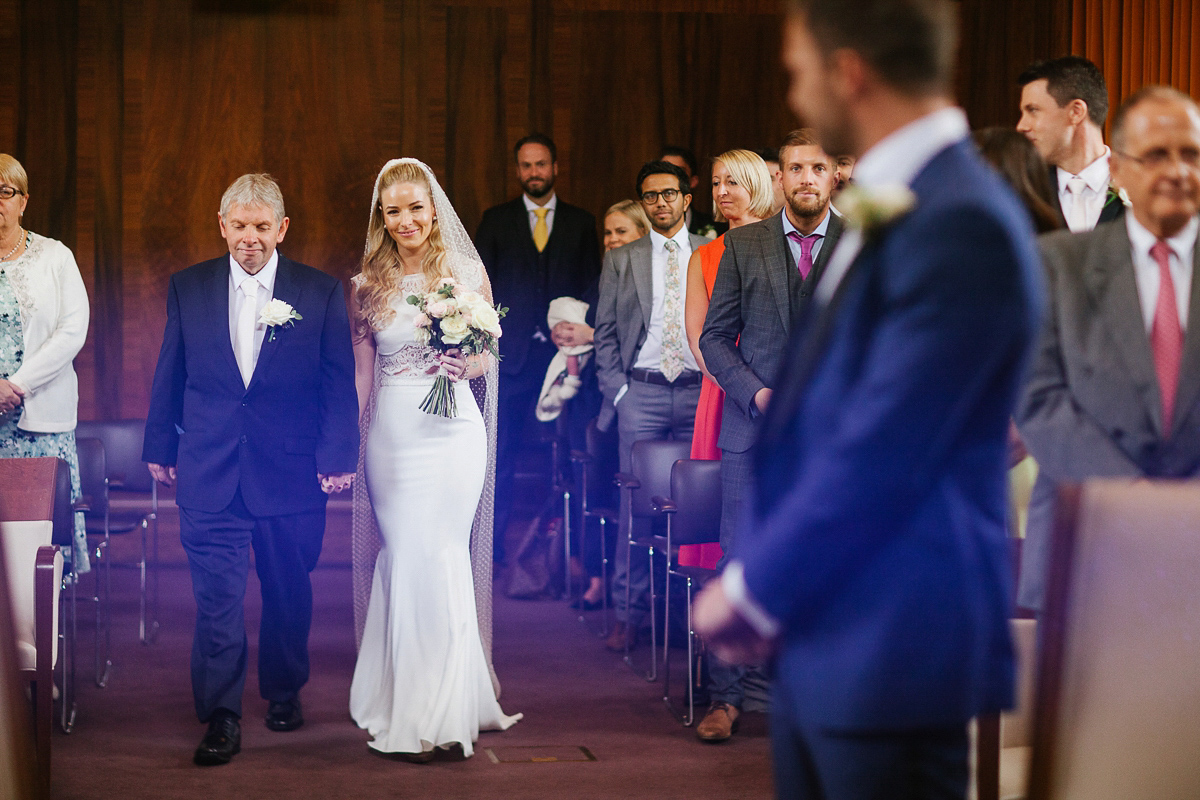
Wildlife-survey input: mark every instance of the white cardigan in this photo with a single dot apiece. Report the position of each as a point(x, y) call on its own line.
point(54, 316)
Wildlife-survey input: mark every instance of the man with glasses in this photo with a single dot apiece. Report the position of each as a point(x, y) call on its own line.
point(1115, 387)
point(646, 370)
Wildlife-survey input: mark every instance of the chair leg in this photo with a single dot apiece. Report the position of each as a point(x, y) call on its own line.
point(652, 675)
point(68, 615)
point(603, 576)
point(568, 583)
point(104, 615)
point(149, 629)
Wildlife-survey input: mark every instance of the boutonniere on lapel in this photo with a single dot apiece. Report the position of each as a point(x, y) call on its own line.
point(1117, 194)
point(871, 210)
point(708, 231)
point(277, 314)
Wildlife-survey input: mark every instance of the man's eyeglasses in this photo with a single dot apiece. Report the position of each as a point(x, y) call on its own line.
point(1159, 158)
point(650, 198)
point(8, 192)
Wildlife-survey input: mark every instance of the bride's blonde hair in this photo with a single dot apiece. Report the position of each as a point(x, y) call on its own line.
point(381, 267)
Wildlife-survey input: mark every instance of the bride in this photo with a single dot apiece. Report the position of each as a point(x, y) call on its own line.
point(423, 498)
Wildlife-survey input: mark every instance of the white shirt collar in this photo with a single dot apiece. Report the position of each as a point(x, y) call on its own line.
point(531, 206)
point(1181, 244)
point(1095, 175)
point(898, 157)
point(821, 229)
point(265, 276)
point(659, 242)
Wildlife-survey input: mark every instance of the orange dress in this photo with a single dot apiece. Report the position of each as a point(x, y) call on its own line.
point(708, 416)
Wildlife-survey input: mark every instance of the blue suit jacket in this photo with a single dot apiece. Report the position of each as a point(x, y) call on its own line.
point(877, 535)
point(297, 417)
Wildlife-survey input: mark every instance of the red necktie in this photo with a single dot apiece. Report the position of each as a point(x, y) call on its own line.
point(1166, 334)
point(806, 243)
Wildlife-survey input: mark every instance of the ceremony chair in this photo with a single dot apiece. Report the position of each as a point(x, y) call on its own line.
point(129, 481)
point(693, 517)
point(1004, 742)
point(597, 466)
point(651, 461)
point(1117, 699)
point(93, 484)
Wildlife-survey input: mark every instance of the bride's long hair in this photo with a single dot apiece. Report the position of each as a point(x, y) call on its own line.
point(381, 267)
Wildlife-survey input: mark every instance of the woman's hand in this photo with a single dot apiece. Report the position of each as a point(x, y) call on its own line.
point(11, 396)
point(454, 364)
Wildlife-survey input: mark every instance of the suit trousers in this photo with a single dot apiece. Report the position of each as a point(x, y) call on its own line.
point(725, 681)
point(286, 549)
point(815, 763)
point(647, 411)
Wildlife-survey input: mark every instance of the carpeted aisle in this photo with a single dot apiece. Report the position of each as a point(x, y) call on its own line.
point(135, 738)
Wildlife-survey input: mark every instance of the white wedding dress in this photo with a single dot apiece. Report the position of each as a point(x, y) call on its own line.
point(422, 678)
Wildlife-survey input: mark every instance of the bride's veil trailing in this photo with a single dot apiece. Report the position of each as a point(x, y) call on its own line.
point(467, 268)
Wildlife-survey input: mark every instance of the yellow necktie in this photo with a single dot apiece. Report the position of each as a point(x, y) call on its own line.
point(541, 234)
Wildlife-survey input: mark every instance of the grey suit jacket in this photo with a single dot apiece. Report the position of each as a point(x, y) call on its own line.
point(1091, 405)
point(623, 316)
point(756, 296)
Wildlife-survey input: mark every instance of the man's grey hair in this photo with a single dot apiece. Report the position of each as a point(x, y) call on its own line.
point(1167, 94)
point(254, 189)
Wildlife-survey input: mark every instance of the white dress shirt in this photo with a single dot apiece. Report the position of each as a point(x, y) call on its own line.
point(531, 207)
point(1095, 191)
point(1146, 273)
point(266, 283)
point(794, 246)
point(649, 357)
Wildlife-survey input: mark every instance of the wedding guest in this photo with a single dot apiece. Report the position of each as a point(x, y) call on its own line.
point(765, 281)
point(697, 220)
point(770, 157)
point(43, 325)
point(1063, 105)
point(647, 373)
point(1023, 167)
point(624, 222)
point(536, 247)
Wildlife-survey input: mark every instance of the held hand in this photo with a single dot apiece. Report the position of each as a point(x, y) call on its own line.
point(454, 363)
point(11, 396)
point(336, 482)
point(571, 334)
point(724, 630)
point(162, 474)
point(762, 399)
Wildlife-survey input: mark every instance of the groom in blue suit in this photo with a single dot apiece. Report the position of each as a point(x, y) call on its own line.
point(873, 566)
point(253, 413)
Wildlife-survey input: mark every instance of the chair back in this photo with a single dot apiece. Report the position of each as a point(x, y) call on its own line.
point(602, 447)
point(651, 461)
point(93, 475)
point(122, 440)
point(696, 490)
point(1117, 702)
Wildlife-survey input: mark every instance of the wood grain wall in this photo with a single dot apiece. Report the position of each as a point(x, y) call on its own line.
point(132, 116)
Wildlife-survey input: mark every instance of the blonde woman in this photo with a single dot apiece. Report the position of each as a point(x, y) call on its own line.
point(624, 222)
point(423, 680)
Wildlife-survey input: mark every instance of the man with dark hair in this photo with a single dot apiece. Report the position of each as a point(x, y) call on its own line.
point(535, 248)
point(873, 562)
point(695, 219)
point(1115, 386)
point(1063, 105)
point(766, 279)
point(646, 370)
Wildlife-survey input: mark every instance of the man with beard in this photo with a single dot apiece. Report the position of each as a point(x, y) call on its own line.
point(535, 248)
point(766, 279)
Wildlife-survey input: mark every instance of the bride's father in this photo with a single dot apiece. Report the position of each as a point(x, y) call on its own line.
point(253, 411)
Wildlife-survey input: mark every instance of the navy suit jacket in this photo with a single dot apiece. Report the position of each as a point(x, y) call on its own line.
point(877, 536)
point(298, 416)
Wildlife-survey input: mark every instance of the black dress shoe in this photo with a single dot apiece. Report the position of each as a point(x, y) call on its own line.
point(285, 716)
point(222, 741)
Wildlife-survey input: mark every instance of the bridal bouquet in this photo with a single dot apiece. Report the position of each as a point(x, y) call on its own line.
point(450, 319)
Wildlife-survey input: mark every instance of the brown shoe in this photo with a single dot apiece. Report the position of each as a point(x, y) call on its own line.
point(618, 635)
point(719, 723)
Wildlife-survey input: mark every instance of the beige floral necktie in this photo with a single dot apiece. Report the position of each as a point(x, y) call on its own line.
point(672, 336)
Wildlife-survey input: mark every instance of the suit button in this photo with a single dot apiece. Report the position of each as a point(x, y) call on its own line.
point(243, 439)
point(243, 404)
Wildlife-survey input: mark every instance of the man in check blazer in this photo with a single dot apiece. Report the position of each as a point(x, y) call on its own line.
point(873, 564)
point(647, 373)
point(1115, 386)
point(536, 248)
point(766, 279)
point(253, 413)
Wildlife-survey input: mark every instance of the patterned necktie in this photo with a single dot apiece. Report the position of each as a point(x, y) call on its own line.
point(1166, 334)
point(671, 358)
point(1077, 218)
point(541, 234)
point(807, 243)
point(247, 321)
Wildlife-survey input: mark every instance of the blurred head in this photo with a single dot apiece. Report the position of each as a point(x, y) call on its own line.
point(624, 222)
point(1020, 164)
point(665, 195)
point(252, 220)
point(1059, 97)
point(845, 172)
point(807, 174)
point(537, 164)
point(1156, 158)
point(683, 158)
point(833, 48)
point(770, 157)
point(741, 187)
point(12, 178)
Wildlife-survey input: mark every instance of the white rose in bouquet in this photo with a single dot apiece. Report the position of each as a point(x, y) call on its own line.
point(486, 319)
point(454, 329)
point(437, 308)
point(422, 335)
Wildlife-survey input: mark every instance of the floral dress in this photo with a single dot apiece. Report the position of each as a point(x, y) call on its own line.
point(16, 443)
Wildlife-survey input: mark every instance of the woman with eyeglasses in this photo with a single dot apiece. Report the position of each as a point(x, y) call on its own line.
point(43, 324)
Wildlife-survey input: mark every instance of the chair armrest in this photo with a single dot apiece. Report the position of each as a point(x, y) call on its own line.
point(43, 592)
point(626, 481)
point(82, 504)
point(663, 505)
point(581, 457)
point(117, 480)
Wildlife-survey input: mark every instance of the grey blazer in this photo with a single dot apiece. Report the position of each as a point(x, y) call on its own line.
point(756, 296)
point(1091, 405)
point(623, 316)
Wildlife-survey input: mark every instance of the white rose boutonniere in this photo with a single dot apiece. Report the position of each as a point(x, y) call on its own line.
point(277, 314)
point(870, 209)
point(1117, 193)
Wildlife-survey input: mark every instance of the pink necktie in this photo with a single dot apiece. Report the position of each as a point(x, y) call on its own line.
point(806, 247)
point(1166, 334)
